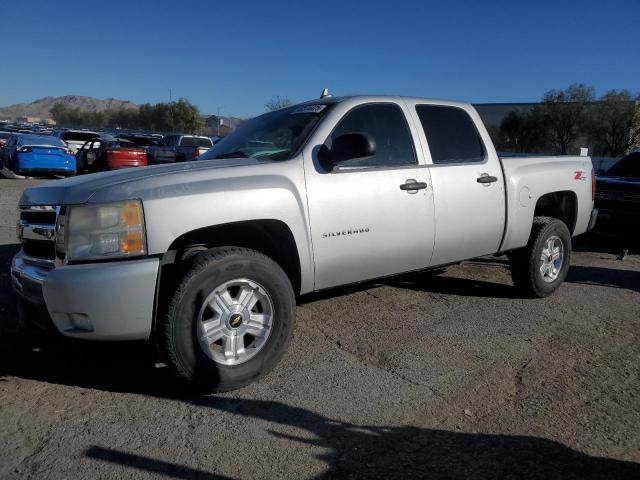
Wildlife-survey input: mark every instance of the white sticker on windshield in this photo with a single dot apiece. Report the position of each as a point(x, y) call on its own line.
point(309, 109)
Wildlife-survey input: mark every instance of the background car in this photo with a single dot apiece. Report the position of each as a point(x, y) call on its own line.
point(110, 153)
point(143, 141)
point(75, 138)
point(617, 199)
point(37, 155)
point(178, 148)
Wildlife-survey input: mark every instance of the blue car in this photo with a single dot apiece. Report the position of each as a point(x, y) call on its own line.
point(33, 155)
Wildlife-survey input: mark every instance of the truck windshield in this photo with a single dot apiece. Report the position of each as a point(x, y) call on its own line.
point(275, 135)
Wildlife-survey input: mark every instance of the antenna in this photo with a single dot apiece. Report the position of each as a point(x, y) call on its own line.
point(325, 93)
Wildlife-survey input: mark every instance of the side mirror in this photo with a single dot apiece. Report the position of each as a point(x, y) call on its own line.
point(350, 146)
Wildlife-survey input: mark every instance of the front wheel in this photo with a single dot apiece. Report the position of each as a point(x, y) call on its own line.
point(230, 320)
point(539, 268)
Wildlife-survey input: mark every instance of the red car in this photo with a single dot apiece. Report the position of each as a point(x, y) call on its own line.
point(101, 154)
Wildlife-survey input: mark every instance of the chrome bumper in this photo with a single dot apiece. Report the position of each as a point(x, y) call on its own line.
point(27, 280)
point(100, 301)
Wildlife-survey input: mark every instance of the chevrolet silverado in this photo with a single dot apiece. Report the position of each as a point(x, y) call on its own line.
point(207, 258)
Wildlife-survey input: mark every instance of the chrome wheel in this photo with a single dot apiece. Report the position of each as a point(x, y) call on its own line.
point(551, 259)
point(235, 321)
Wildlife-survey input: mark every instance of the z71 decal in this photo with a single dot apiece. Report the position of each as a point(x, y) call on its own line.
point(580, 176)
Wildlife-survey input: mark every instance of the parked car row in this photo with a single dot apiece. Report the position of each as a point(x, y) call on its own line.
point(86, 151)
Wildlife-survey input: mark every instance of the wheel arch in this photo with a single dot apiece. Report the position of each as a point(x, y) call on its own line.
point(271, 237)
point(562, 205)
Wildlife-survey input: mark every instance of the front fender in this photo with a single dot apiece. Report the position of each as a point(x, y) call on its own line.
point(176, 204)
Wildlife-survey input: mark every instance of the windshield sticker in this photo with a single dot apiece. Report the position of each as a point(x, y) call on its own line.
point(309, 109)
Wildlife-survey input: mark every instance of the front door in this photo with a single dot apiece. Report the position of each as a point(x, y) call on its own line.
point(366, 219)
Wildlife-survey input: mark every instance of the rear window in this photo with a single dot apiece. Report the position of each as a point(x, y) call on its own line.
point(195, 142)
point(121, 144)
point(78, 136)
point(40, 140)
point(143, 141)
point(451, 134)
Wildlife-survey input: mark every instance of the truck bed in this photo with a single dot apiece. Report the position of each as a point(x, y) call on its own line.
point(527, 176)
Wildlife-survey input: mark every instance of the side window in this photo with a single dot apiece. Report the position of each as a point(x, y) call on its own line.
point(451, 134)
point(386, 123)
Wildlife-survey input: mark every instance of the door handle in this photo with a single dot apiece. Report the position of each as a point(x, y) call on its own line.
point(486, 178)
point(412, 186)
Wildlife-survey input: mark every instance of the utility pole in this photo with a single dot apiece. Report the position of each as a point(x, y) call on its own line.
point(171, 112)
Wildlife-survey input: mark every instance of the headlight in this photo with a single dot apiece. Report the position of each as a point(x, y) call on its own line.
point(103, 231)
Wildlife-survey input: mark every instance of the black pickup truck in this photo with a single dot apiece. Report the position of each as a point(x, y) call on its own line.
point(618, 198)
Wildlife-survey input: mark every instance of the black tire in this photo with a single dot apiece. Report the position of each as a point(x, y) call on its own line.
point(177, 334)
point(526, 262)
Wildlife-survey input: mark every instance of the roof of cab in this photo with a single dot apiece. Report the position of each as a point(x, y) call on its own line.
point(379, 98)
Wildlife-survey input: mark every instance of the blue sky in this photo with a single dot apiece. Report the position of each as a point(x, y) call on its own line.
point(236, 54)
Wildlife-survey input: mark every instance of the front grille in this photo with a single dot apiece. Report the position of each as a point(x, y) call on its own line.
point(38, 216)
point(44, 250)
point(617, 195)
point(36, 229)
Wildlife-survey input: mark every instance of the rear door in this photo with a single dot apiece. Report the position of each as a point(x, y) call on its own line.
point(363, 224)
point(93, 154)
point(468, 185)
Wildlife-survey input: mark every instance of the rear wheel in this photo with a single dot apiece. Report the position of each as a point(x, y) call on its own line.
point(539, 268)
point(230, 320)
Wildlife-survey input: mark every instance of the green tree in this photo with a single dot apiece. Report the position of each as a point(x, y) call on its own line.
point(564, 113)
point(186, 117)
point(523, 132)
point(612, 123)
point(180, 116)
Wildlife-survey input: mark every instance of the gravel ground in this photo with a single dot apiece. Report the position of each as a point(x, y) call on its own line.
point(447, 376)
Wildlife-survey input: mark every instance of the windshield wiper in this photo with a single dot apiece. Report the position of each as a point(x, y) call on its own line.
point(236, 154)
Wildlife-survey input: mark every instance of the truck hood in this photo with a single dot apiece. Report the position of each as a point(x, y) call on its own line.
point(80, 189)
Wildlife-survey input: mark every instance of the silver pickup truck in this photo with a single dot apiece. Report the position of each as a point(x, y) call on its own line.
point(207, 258)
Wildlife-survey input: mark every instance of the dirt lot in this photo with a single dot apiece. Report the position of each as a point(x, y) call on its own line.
point(451, 376)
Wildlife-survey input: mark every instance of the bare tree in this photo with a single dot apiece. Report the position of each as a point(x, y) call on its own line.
point(277, 102)
point(635, 143)
point(613, 126)
point(564, 113)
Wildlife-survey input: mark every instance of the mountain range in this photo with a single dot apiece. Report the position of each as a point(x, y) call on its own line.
point(40, 108)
